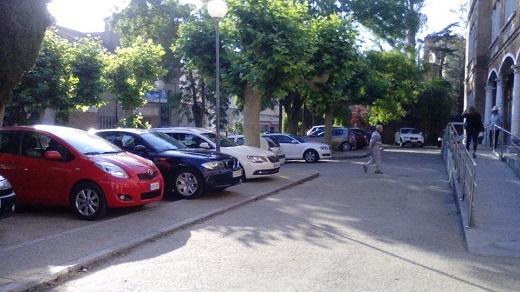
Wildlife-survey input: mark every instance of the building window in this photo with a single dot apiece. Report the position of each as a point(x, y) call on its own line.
point(509, 9)
point(471, 43)
point(495, 22)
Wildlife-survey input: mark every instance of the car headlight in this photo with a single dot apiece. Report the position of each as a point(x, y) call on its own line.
point(324, 147)
point(212, 165)
point(112, 169)
point(4, 184)
point(257, 159)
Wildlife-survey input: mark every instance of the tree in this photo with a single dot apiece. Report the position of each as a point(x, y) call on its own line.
point(65, 77)
point(392, 86)
point(22, 28)
point(434, 107)
point(130, 73)
point(269, 42)
point(395, 21)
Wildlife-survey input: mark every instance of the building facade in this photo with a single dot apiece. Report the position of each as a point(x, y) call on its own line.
point(493, 60)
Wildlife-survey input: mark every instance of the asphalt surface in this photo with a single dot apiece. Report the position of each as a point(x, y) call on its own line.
point(39, 245)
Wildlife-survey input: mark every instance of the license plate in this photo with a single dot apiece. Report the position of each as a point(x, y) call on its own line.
point(237, 173)
point(154, 186)
point(277, 165)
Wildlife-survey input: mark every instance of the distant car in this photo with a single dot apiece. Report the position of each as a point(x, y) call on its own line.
point(188, 173)
point(255, 162)
point(361, 131)
point(7, 198)
point(361, 139)
point(408, 136)
point(342, 139)
point(266, 143)
point(296, 148)
point(316, 128)
point(60, 166)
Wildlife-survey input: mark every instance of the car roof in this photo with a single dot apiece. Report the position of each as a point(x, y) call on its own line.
point(188, 129)
point(128, 130)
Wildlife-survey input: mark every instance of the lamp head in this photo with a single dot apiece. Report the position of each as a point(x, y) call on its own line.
point(217, 9)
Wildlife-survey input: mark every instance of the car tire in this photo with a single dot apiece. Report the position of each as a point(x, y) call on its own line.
point(401, 143)
point(243, 177)
point(88, 201)
point(187, 184)
point(311, 156)
point(345, 146)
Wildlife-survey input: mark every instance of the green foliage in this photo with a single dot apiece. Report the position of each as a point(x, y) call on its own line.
point(88, 61)
point(158, 20)
point(395, 21)
point(22, 26)
point(65, 77)
point(130, 71)
point(393, 85)
point(46, 85)
point(134, 121)
point(434, 106)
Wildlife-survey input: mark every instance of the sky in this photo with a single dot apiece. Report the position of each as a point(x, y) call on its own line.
point(88, 15)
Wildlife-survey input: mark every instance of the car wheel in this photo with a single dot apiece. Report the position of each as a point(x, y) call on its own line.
point(243, 177)
point(187, 184)
point(401, 143)
point(345, 146)
point(310, 156)
point(88, 201)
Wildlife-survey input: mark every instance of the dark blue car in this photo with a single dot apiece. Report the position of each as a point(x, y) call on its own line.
point(188, 173)
point(7, 198)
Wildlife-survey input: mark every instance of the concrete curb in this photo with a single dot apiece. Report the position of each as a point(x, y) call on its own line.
point(39, 279)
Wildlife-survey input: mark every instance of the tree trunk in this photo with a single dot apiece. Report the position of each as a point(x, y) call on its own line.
point(292, 104)
point(252, 102)
point(329, 113)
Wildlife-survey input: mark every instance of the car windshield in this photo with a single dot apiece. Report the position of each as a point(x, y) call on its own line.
point(224, 142)
point(410, 131)
point(296, 138)
point(162, 142)
point(88, 144)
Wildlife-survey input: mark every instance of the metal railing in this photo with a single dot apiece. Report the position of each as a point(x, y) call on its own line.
point(461, 166)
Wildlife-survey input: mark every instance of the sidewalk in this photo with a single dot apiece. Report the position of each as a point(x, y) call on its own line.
point(496, 208)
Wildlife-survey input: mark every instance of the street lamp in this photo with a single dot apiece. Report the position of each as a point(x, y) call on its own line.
point(160, 85)
point(217, 9)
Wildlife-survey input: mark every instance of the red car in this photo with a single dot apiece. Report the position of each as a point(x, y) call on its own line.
point(60, 166)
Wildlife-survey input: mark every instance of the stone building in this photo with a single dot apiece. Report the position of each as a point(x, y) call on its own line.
point(493, 60)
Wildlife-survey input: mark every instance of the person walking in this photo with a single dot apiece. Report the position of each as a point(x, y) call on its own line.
point(496, 120)
point(473, 125)
point(375, 147)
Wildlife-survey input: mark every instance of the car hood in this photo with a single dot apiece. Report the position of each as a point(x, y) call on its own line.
point(196, 154)
point(245, 151)
point(126, 161)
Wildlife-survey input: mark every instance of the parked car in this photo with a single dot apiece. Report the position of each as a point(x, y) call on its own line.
point(408, 136)
point(317, 128)
point(255, 162)
point(361, 140)
point(188, 173)
point(266, 143)
point(7, 198)
point(342, 139)
point(296, 148)
point(361, 131)
point(60, 166)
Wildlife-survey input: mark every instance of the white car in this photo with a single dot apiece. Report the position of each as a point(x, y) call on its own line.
point(296, 148)
point(408, 136)
point(266, 143)
point(255, 162)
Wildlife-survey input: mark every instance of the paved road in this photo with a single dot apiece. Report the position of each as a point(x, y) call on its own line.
point(342, 231)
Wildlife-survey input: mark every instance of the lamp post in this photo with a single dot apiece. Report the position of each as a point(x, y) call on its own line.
point(160, 85)
point(217, 9)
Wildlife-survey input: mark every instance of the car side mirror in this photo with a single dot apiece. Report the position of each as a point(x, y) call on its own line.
point(52, 155)
point(204, 145)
